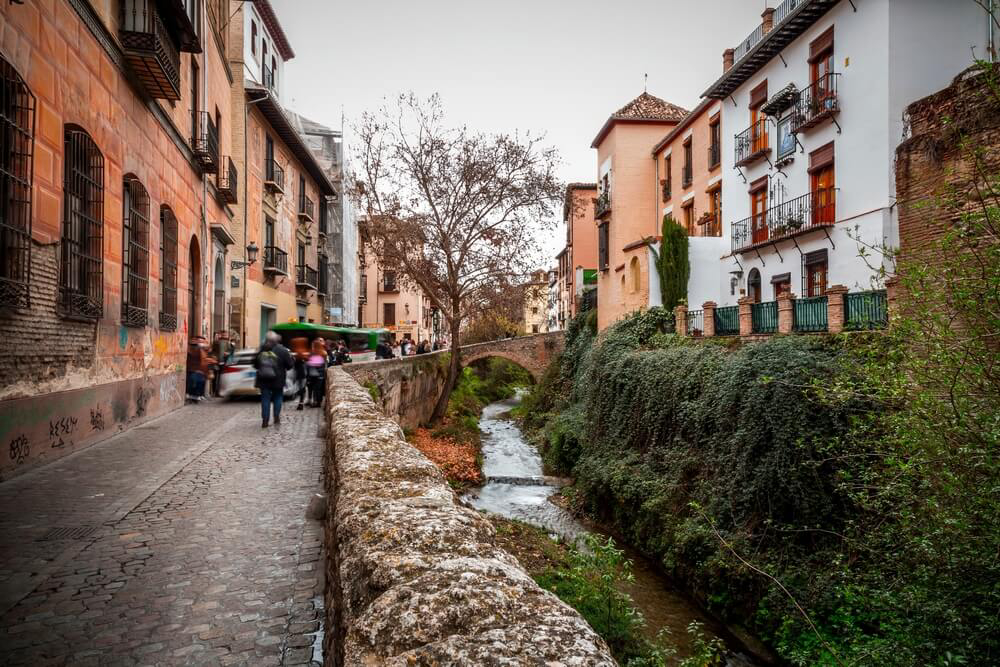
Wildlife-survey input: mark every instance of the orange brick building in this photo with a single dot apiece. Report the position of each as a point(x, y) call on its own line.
point(580, 253)
point(117, 110)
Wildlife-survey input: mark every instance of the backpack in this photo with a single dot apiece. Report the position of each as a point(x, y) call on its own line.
point(267, 366)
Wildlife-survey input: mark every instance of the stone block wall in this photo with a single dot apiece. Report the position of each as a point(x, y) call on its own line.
point(406, 389)
point(415, 578)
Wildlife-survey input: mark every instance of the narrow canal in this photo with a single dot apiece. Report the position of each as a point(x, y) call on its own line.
point(515, 488)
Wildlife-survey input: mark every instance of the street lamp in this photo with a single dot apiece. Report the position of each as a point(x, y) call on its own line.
point(252, 251)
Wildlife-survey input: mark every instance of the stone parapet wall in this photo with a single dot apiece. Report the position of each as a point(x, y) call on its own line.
point(415, 578)
point(407, 389)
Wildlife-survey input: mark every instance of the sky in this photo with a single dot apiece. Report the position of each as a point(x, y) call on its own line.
point(555, 66)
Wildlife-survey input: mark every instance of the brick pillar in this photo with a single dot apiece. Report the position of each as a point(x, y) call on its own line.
point(746, 319)
point(835, 308)
point(891, 295)
point(727, 59)
point(767, 19)
point(708, 308)
point(786, 312)
point(681, 320)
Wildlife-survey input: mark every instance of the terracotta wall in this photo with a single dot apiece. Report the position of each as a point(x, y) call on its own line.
point(582, 239)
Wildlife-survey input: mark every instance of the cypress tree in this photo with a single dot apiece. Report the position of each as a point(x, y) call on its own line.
point(672, 264)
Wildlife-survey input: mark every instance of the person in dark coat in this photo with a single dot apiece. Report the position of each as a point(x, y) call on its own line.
point(272, 361)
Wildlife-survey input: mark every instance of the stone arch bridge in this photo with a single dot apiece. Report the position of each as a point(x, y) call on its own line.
point(534, 353)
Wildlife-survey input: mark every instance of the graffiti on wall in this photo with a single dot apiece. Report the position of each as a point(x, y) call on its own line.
point(61, 430)
point(96, 419)
point(19, 449)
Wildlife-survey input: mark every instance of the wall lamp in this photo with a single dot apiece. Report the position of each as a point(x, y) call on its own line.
point(252, 251)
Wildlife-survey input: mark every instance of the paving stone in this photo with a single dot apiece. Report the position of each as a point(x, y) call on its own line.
point(181, 577)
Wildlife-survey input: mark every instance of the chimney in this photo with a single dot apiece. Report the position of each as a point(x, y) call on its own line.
point(767, 19)
point(727, 60)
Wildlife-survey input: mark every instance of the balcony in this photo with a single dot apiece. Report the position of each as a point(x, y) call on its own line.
point(227, 180)
point(275, 261)
point(205, 143)
point(274, 177)
point(817, 103)
point(603, 205)
point(306, 208)
point(306, 277)
point(149, 49)
point(815, 210)
point(752, 143)
point(687, 176)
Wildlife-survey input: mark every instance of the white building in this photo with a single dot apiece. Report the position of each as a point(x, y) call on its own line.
point(812, 103)
point(265, 47)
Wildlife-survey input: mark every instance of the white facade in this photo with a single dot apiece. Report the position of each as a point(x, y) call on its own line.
point(260, 51)
point(888, 53)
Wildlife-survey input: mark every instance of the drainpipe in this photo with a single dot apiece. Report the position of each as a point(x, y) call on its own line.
point(990, 20)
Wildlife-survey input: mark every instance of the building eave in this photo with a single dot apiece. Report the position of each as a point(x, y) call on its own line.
point(612, 121)
point(274, 29)
point(684, 124)
point(787, 31)
point(277, 119)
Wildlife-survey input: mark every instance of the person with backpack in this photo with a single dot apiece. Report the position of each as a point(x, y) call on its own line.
point(272, 361)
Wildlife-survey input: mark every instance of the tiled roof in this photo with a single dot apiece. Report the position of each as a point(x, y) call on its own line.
point(645, 108)
point(650, 107)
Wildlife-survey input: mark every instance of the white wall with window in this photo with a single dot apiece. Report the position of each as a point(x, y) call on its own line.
point(867, 65)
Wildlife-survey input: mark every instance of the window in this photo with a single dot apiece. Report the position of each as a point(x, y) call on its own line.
point(758, 210)
point(81, 275)
point(822, 186)
point(194, 102)
point(688, 213)
point(253, 37)
point(714, 227)
point(135, 253)
point(534, 328)
point(821, 59)
point(715, 143)
point(814, 273)
point(300, 255)
point(602, 247)
point(263, 53)
point(389, 281)
point(534, 310)
point(388, 314)
point(666, 179)
point(268, 232)
point(268, 158)
point(168, 271)
point(782, 284)
point(758, 121)
point(17, 123)
point(688, 174)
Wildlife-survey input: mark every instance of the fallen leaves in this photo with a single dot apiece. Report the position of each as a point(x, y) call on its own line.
point(458, 461)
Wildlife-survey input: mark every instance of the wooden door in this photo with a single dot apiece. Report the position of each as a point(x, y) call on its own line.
point(758, 212)
point(824, 204)
point(816, 274)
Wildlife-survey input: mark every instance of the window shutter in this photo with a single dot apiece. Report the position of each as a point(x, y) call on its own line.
point(758, 185)
point(758, 95)
point(821, 157)
point(821, 45)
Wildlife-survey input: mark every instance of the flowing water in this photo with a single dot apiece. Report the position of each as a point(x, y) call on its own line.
point(515, 488)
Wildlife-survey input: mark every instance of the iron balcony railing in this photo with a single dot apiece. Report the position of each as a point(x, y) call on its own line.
point(695, 323)
point(781, 12)
point(603, 205)
point(810, 211)
point(816, 103)
point(275, 260)
point(811, 314)
point(764, 317)
point(866, 310)
point(149, 49)
point(227, 180)
point(687, 176)
point(306, 207)
point(727, 321)
point(205, 143)
point(306, 277)
point(714, 155)
point(752, 144)
point(667, 190)
point(274, 176)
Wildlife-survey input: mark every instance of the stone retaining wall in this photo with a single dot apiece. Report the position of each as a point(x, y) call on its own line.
point(415, 578)
point(407, 388)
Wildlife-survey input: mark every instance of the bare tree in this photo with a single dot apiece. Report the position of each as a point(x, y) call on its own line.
point(456, 212)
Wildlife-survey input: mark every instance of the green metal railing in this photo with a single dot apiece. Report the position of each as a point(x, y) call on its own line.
point(810, 314)
point(866, 310)
point(764, 316)
point(727, 321)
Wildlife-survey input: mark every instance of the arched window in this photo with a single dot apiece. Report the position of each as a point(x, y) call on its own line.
point(17, 123)
point(135, 253)
point(636, 273)
point(168, 269)
point(81, 275)
point(753, 285)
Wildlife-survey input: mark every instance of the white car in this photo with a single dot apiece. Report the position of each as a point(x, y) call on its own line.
point(238, 375)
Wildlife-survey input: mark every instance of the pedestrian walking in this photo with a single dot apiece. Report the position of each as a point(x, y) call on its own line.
point(316, 373)
point(299, 348)
point(199, 366)
point(272, 361)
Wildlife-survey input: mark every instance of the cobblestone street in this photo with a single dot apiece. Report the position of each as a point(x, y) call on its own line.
point(183, 541)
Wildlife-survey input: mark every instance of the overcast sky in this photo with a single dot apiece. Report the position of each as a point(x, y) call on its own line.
point(554, 66)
